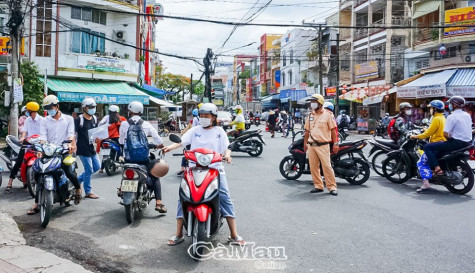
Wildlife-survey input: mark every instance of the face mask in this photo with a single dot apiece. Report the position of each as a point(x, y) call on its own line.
point(52, 112)
point(408, 112)
point(205, 122)
point(91, 111)
point(27, 113)
point(451, 108)
point(315, 105)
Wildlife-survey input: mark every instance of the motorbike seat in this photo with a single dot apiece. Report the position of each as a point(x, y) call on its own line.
point(388, 143)
point(456, 153)
point(350, 143)
point(135, 166)
point(15, 140)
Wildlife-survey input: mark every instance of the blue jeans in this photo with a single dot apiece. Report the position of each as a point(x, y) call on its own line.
point(225, 204)
point(432, 150)
point(91, 165)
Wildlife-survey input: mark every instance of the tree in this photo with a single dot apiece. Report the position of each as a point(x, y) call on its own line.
point(177, 83)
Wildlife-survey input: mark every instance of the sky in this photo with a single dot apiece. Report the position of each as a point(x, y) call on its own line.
point(189, 38)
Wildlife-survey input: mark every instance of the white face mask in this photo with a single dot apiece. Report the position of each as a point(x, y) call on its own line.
point(205, 122)
point(408, 112)
point(314, 105)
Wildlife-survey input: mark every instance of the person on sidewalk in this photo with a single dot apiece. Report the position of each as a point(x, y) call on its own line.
point(271, 122)
point(458, 132)
point(86, 151)
point(319, 134)
point(57, 128)
point(435, 133)
point(31, 127)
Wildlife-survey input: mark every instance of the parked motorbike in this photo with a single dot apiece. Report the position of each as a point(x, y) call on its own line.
point(401, 165)
point(248, 123)
point(345, 164)
point(380, 150)
point(52, 184)
point(249, 141)
point(381, 130)
point(10, 154)
point(133, 190)
point(199, 197)
point(110, 150)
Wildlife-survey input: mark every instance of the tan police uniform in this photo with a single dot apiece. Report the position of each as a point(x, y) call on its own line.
point(320, 126)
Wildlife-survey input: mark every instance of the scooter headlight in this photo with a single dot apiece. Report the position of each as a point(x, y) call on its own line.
point(211, 188)
point(49, 183)
point(184, 187)
point(49, 149)
point(204, 159)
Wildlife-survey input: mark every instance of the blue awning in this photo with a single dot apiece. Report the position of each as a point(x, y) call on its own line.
point(462, 83)
point(158, 91)
point(294, 95)
point(285, 100)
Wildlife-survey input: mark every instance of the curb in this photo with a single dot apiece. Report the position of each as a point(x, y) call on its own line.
point(16, 256)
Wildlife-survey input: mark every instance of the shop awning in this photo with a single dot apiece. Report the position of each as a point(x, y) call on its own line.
point(284, 100)
point(103, 92)
point(431, 85)
point(293, 95)
point(378, 98)
point(162, 103)
point(421, 9)
point(462, 83)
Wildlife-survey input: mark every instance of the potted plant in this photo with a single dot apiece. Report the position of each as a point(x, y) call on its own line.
point(126, 55)
point(434, 34)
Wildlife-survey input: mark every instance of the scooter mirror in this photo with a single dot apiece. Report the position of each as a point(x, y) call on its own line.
point(174, 138)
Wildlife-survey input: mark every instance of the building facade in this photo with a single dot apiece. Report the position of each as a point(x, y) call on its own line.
point(268, 52)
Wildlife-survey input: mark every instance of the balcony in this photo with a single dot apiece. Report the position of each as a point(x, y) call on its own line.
point(378, 26)
point(360, 33)
point(345, 33)
point(424, 35)
point(359, 2)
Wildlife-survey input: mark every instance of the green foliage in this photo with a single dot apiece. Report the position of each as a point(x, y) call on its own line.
point(198, 88)
point(245, 75)
point(434, 34)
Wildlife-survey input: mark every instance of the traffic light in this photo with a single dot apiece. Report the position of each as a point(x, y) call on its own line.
point(212, 94)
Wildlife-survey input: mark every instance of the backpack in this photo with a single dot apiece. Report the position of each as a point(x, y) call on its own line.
point(81, 120)
point(392, 131)
point(343, 121)
point(136, 144)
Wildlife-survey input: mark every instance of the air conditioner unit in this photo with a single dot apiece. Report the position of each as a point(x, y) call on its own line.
point(120, 35)
point(470, 58)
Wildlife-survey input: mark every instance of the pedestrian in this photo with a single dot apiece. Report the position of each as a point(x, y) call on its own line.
point(284, 119)
point(319, 134)
point(86, 151)
point(271, 122)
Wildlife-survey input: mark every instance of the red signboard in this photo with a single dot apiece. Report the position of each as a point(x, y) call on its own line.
point(331, 91)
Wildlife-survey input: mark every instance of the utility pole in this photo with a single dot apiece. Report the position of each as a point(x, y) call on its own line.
point(337, 93)
point(208, 70)
point(238, 88)
point(320, 59)
point(191, 86)
point(15, 22)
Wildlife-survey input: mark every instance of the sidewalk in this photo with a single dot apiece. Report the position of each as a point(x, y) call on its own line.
point(16, 256)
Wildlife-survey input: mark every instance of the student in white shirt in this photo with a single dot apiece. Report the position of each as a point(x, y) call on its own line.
point(213, 137)
point(31, 127)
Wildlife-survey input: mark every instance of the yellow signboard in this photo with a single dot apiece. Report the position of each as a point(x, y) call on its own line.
point(366, 71)
point(460, 17)
point(218, 102)
point(6, 46)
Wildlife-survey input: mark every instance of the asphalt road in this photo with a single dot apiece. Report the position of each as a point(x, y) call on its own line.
point(376, 227)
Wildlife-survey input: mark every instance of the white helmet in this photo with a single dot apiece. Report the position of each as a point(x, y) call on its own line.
point(88, 102)
point(114, 108)
point(135, 107)
point(49, 101)
point(328, 105)
point(208, 108)
point(23, 109)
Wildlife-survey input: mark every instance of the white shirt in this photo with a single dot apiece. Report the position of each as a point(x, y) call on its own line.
point(147, 128)
point(104, 120)
point(459, 125)
point(32, 126)
point(240, 118)
point(196, 122)
point(56, 131)
point(214, 139)
point(338, 119)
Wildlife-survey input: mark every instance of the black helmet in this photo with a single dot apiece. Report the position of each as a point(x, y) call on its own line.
point(457, 101)
point(404, 105)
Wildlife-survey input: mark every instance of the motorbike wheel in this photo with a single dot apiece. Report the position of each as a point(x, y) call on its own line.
point(30, 182)
point(377, 162)
point(129, 213)
point(199, 234)
point(396, 170)
point(363, 176)
point(259, 149)
point(110, 167)
point(46, 205)
point(468, 179)
point(290, 168)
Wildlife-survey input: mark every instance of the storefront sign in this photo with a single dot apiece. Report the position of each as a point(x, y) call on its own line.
point(103, 64)
point(464, 91)
point(101, 98)
point(277, 78)
point(407, 92)
point(6, 46)
point(366, 71)
point(422, 91)
point(218, 102)
point(17, 90)
point(331, 91)
point(457, 17)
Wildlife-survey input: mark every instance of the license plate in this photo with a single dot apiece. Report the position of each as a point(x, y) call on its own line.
point(105, 151)
point(129, 185)
point(345, 130)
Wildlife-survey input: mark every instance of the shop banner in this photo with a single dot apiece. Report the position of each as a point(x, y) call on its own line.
point(464, 91)
point(366, 71)
point(103, 64)
point(407, 92)
point(331, 91)
point(418, 92)
point(102, 98)
point(458, 17)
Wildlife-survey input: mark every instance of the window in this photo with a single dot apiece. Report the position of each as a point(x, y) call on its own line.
point(291, 56)
point(290, 77)
point(451, 52)
point(283, 79)
point(99, 17)
point(471, 49)
point(86, 41)
point(86, 14)
point(284, 58)
point(422, 64)
point(44, 13)
point(76, 13)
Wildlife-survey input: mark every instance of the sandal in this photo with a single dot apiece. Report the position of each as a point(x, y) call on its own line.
point(174, 240)
point(160, 208)
point(237, 241)
point(438, 172)
point(33, 211)
point(91, 196)
point(8, 190)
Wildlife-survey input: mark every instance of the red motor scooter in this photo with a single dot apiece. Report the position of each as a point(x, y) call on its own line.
point(199, 197)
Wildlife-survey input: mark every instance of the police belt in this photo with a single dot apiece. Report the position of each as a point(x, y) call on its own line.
point(318, 144)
